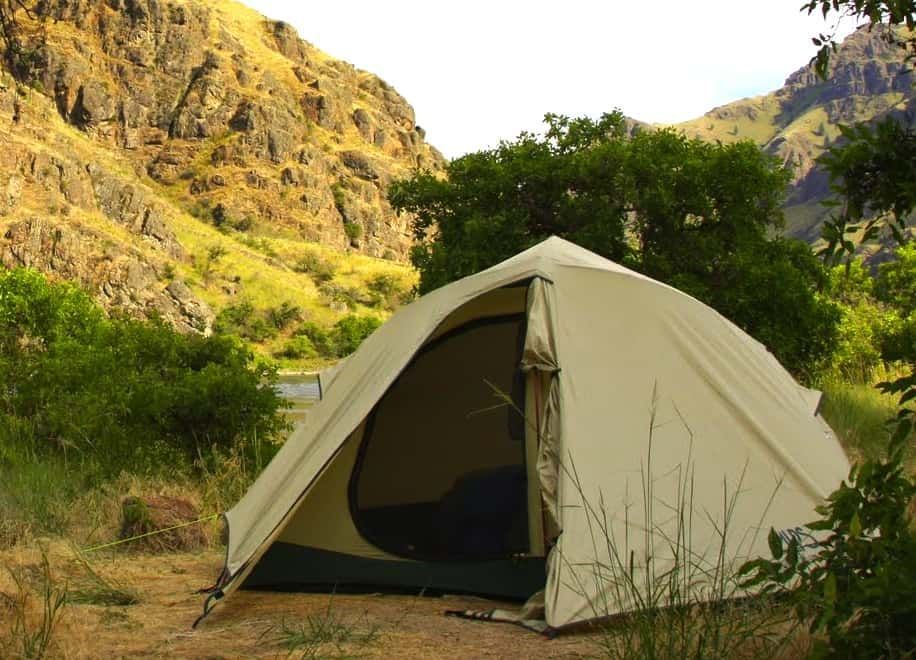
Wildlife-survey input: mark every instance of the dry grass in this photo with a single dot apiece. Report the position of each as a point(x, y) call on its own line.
point(261, 625)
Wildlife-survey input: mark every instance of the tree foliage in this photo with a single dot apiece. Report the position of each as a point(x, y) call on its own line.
point(873, 171)
point(697, 215)
point(118, 388)
point(340, 340)
point(496, 203)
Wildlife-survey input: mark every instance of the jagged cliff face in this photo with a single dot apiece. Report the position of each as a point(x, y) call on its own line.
point(229, 108)
point(868, 79)
point(140, 127)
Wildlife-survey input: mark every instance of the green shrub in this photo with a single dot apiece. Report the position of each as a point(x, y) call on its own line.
point(351, 330)
point(220, 216)
point(349, 296)
point(353, 230)
point(340, 196)
point(242, 320)
point(284, 314)
point(244, 223)
point(388, 290)
point(341, 340)
point(298, 347)
point(121, 393)
point(311, 262)
point(201, 210)
point(896, 284)
point(320, 339)
point(899, 338)
point(861, 333)
point(216, 252)
point(168, 272)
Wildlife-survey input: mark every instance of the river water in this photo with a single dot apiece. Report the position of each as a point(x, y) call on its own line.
point(301, 390)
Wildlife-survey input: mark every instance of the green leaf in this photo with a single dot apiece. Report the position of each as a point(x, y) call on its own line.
point(775, 543)
point(792, 553)
point(855, 526)
point(830, 589)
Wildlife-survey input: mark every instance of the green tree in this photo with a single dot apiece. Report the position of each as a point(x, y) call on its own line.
point(896, 282)
point(496, 203)
point(693, 214)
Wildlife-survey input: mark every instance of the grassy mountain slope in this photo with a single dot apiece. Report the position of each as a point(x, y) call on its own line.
point(867, 80)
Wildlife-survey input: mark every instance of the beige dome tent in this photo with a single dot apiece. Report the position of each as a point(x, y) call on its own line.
point(504, 435)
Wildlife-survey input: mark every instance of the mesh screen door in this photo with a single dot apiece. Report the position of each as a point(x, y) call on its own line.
point(441, 471)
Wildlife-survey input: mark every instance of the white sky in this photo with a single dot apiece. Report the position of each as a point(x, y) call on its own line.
point(477, 72)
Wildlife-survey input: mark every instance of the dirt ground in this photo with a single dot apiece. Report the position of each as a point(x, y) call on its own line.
point(257, 624)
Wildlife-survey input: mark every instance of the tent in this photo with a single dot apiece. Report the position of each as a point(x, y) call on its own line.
point(512, 432)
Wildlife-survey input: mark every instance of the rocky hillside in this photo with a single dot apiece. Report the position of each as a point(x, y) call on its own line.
point(867, 80)
point(180, 156)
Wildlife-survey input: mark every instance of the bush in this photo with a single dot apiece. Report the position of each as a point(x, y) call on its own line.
point(319, 338)
point(341, 340)
point(896, 284)
point(349, 296)
point(280, 317)
point(201, 210)
point(242, 320)
point(351, 330)
point(862, 332)
point(220, 216)
point(122, 393)
point(858, 584)
point(353, 230)
point(388, 290)
point(297, 348)
point(244, 223)
point(311, 262)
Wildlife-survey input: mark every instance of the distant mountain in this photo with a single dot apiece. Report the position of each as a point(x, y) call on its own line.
point(868, 79)
point(179, 156)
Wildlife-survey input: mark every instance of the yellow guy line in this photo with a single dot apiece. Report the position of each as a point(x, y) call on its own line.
point(153, 533)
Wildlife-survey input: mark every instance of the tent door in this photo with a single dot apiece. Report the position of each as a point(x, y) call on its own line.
point(442, 471)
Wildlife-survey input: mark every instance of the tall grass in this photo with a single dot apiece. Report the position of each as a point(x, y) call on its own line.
point(74, 495)
point(29, 636)
point(859, 414)
point(35, 489)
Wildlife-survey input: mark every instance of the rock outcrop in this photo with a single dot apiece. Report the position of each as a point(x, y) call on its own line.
point(138, 120)
point(178, 87)
point(868, 79)
point(120, 278)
